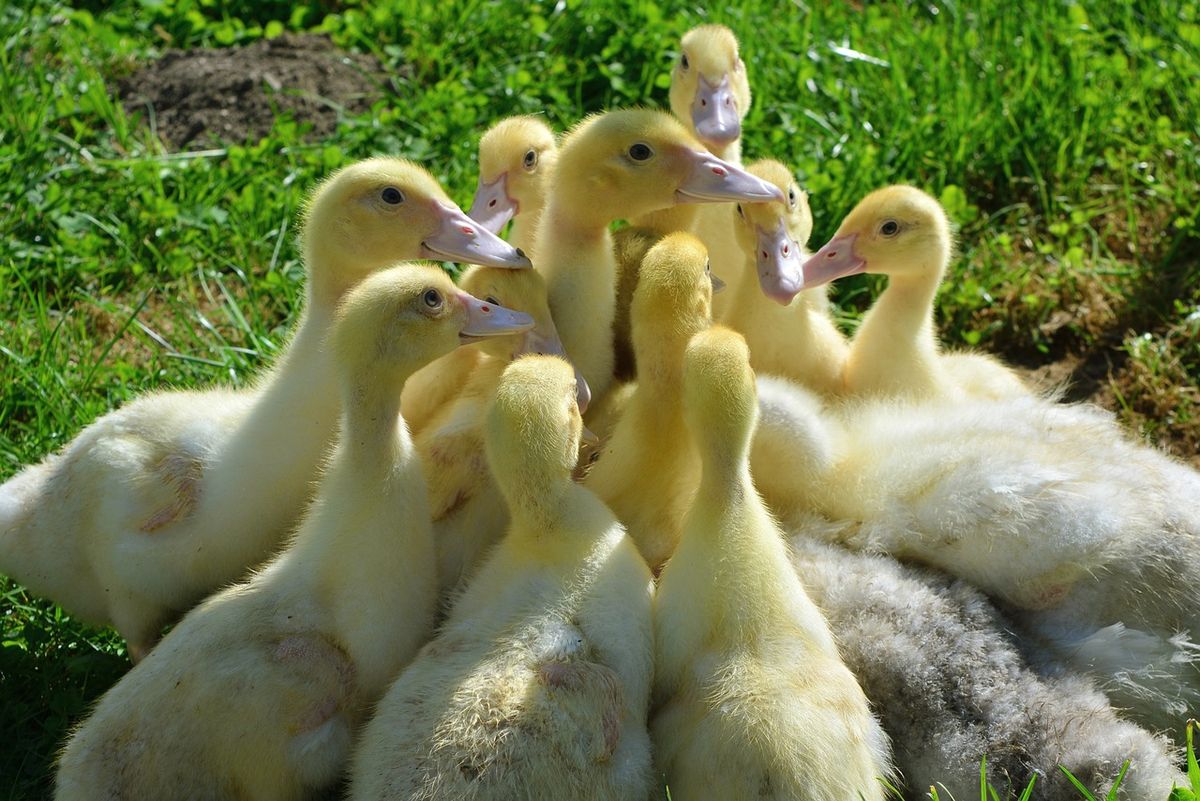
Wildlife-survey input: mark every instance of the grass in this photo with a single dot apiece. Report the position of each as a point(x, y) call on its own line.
point(1064, 139)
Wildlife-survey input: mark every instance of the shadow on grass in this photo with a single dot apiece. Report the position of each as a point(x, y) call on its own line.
point(48, 681)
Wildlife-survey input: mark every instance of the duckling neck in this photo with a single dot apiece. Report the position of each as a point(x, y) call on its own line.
point(725, 468)
point(660, 375)
point(289, 427)
point(374, 436)
point(576, 257)
point(366, 547)
point(680, 217)
point(896, 347)
point(332, 271)
point(539, 503)
point(525, 226)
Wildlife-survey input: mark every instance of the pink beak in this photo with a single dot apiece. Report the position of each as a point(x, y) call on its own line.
point(713, 180)
point(489, 320)
point(461, 239)
point(492, 206)
point(715, 113)
point(779, 265)
point(835, 260)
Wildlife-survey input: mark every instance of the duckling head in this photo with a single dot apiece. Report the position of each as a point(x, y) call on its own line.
point(720, 399)
point(534, 430)
point(709, 85)
point(776, 233)
point(621, 164)
point(898, 230)
point(376, 212)
point(673, 300)
point(397, 320)
point(515, 156)
point(523, 291)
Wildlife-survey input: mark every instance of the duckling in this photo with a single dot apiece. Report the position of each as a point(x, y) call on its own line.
point(753, 698)
point(515, 157)
point(258, 692)
point(788, 327)
point(614, 166)
point(648, 470)
point(469, 514)
point(1088, 539)
point(905, 234)
point(709, 89)
point(710, 95)
point(950, 687)
point(159, 503)
point(537, 685)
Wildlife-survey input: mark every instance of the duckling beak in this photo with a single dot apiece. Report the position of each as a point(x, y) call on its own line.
point(835, 260)
point(549, 344)
point(781, 272)
point(715, 113)
point(717, 283)
point(712, 180)
point(490, 320)
point(461, 239)
point(492, 206)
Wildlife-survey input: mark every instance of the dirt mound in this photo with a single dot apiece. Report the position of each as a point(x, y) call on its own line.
point(234, 94)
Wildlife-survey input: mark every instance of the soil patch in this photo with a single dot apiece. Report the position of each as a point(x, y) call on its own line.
point(235, 94)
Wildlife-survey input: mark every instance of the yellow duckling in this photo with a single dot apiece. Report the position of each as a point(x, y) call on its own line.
point(538, 684)
point(257, 693)
point(710, 93)
point(161, 502)
point(904, 234)
point(649, 469)
point(614, 166)
point(469, 515)
point(515, 157)
point(753, 698)
point(788, 327)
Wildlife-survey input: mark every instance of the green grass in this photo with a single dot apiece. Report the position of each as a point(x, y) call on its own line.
point(1063, 137)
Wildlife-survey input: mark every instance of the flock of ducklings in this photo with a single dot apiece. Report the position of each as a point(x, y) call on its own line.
point(401, 567)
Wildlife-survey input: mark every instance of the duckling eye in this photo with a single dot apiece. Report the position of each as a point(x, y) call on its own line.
point(433, 299)
point(684, 63)
point(392, 196)
point(708, 267)
point(889, 228)
point(640, 151)
point(531, 159)
point(492, 300)
point(741, 213)
point(791, 196)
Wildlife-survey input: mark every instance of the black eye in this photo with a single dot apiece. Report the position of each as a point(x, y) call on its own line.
point(889, 228)
point(640, 151)
point(708, 266)
point(791, 196)
point(392, 196)
point(741, 213)
point(492, 300)
point(683, 61)
point(531, 159)
point(432, 298)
